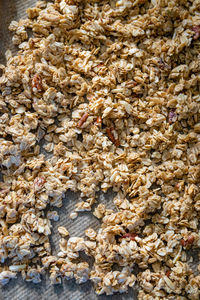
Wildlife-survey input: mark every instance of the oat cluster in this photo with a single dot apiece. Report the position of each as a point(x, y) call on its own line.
point(110, 91)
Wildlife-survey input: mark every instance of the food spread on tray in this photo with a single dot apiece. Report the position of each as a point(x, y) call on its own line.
point(103, 95)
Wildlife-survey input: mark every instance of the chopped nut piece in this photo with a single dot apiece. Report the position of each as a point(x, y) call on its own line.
point(131, 236)
point(111, 137)
point(196, 30)
point(37, 83)
point(83, 120)
point(39, 183)
point(99, 120)
point(190, 239)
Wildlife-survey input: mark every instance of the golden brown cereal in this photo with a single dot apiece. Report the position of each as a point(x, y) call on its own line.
point(105, 94)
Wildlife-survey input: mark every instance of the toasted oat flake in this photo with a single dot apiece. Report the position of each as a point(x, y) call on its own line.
point(73, 215)
point(63, 231)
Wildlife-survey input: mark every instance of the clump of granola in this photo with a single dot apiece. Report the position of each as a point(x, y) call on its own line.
point(124, 76)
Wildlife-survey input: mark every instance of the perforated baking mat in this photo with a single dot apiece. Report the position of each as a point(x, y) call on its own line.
point(17, 289)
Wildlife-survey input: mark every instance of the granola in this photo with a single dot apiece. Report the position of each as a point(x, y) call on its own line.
point(111, 89)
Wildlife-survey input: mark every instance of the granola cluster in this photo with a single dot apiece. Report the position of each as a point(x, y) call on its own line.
point(104, 94)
